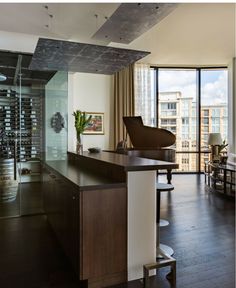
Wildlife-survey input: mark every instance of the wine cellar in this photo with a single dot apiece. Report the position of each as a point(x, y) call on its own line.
point(21, 136)
point(21, 122)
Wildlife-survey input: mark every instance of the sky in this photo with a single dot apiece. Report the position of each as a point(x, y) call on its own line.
point(213, 84)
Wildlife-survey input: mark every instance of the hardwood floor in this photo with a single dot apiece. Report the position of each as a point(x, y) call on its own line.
point(28, 201)
point(201, 232)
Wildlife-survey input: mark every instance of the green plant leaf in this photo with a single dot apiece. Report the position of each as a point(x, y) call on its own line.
point(81, 121)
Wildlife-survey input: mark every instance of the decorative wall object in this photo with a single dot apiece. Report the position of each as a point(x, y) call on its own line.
point(96, 123)
point(61, 55)
point(57, 122)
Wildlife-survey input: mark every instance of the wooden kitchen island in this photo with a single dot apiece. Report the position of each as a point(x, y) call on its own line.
point(102, 208)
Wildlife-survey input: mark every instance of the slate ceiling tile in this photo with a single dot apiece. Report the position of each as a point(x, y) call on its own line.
point(131, 20)
point(61, 55)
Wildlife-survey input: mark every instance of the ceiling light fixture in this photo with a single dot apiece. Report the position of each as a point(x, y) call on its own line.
point(3, 77)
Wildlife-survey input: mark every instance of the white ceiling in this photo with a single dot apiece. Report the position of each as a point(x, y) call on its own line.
point(69, 21)
point(193, 34)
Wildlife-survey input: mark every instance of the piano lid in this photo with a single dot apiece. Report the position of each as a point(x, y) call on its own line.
point(145, 137)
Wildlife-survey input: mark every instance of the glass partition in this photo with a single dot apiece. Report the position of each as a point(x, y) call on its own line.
point(56, 117)
point(21, 145)
point(26, 108)
point(9, 180)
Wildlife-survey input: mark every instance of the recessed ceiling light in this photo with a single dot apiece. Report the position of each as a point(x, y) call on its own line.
point(3, 77)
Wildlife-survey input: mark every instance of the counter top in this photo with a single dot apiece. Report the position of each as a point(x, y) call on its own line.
point(91, 177)
point(129, 163)
point(82, 178)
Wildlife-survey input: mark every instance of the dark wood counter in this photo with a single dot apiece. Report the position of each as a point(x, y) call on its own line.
point(82, 178)
point(88, 212)
point(86, 199)
point(128, 163)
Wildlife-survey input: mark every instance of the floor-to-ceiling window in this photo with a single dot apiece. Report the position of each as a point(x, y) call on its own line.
point(177, 112)
point(214, 113)
point(191, 103)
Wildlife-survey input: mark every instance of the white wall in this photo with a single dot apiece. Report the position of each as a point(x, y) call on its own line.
point(91, 93)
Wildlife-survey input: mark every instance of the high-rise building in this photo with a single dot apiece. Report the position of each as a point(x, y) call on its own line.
point(178, 114)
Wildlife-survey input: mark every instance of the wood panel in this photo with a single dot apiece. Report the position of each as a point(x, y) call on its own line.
point(62, 210)
point(104, 237)
point(91, 227)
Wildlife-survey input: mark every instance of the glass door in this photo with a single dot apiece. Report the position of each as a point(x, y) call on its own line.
point(29, 146)
point(9, 180)
point(21, 114)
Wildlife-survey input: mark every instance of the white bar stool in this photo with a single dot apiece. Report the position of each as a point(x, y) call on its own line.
point(162, 187)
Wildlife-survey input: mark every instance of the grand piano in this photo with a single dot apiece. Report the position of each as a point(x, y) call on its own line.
point(149, 142)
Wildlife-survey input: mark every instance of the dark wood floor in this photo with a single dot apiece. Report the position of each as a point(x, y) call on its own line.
point(28, 201)
point(201, 232)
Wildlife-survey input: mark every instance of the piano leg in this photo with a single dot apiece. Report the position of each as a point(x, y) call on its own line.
point(169, 176)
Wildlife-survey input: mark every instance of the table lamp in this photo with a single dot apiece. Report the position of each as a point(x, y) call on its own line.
point(215, 139)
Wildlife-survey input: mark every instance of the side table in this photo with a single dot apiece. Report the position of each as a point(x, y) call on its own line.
point(220, 178)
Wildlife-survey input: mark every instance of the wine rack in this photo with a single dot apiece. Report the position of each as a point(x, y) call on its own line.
point(20, 125)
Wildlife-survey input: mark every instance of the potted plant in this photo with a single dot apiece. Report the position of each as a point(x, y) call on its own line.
point(81, 121)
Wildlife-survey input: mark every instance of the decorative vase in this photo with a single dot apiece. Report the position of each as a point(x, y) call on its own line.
point(79, 144)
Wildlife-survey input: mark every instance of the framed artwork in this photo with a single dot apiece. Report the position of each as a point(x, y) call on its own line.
point(96, 124)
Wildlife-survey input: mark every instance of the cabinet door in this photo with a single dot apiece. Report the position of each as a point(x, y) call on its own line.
point(60, 204)
point(104, 235)
point(66, 218)
point(48, 193)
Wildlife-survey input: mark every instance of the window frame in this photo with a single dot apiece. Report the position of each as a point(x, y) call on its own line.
point(199, 151)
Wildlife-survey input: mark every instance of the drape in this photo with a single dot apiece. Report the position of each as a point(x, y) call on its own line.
point(123, 102)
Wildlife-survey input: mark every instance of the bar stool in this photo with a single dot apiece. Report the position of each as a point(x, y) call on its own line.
point(164, 252)
point(164, 262)
point(162, 187)
point(164, 222)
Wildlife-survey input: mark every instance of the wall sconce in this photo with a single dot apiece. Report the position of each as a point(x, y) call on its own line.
point(215, 139)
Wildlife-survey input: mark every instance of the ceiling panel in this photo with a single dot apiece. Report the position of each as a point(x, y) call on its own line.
point(61, 55)
point(131, 20)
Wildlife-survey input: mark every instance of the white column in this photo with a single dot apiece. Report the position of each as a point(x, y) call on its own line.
point(141, 221)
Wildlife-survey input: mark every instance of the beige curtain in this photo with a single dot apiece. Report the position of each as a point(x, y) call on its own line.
point(123, 102)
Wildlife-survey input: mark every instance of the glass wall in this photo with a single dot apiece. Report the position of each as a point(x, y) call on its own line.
point(56, 117)
point(9, 176)
point(21, 145)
